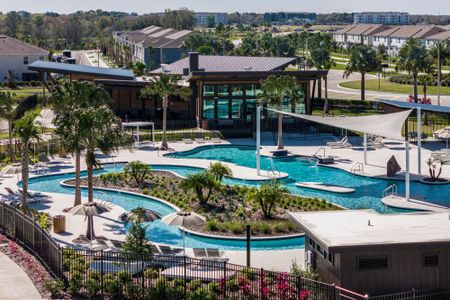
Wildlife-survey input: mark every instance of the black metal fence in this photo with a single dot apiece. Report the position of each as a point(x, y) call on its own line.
point(25, 231)
point(181, 277)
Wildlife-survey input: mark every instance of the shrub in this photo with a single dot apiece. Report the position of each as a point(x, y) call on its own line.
point(212, 225)
point(75, 284)
point(195, 284)
point(112, 288)
point(92, 287)
point(124, 277)
point(54, 287)
point(133, 291)
point(202, 294)
point(151, 273)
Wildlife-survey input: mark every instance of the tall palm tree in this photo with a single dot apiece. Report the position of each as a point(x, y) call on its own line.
point(164, 86)
point(101, 129)
point(440, 54)
point(72, 97)
point(8, 113)
point(320, 57)
point(413, 58)
point(275, 89)
point(363, 59)
point(26, 131)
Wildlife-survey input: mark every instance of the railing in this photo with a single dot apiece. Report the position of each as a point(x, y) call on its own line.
point(389, 191)
point(24, 230)
point(320, 149)
point(426, 294)
point(179, 277)
point(357, 168)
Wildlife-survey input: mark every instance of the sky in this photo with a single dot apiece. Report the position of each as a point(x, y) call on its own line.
point(441, 7)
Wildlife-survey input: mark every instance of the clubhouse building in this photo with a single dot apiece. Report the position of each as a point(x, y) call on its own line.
point(225, 90)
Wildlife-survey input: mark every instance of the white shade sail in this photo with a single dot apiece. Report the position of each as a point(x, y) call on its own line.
point(386, 125)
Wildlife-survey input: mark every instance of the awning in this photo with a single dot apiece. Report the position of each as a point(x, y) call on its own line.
point(386, 125)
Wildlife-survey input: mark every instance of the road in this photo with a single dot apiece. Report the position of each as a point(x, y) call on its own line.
point(89, 58)
point(335, 91)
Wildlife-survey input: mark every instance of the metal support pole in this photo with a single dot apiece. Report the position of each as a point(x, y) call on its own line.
point(258, 140)
point(365, 148)
point(407, 175)
point(439, 73)
point(248, 244)
point(419, 140)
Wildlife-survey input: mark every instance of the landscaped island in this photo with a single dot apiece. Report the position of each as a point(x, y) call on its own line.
point(227, 208)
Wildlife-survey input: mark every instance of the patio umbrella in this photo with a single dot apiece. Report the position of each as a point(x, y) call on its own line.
point(444, 134)
point(146, 215)
point(183, 219)
point(89, 210)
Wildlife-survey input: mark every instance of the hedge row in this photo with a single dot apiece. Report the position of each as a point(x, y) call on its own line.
point(408, 79)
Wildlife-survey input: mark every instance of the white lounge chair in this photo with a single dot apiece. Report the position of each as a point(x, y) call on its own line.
point(216, 138)
point(338, 143)
point(187, 139)
point(198, 138)
point(115, 266)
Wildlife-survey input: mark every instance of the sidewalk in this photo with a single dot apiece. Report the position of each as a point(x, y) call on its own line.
point(14, 283)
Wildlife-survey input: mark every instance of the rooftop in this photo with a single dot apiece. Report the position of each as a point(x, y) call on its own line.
point(424, 107)
point(61, 68)
point(349, 228)
point(442, 36)
point(12, 46)
point(157, 37)
point(210, 63)
point(411, 31)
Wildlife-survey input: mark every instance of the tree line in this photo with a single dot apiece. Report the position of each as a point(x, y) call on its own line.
point(84, 29)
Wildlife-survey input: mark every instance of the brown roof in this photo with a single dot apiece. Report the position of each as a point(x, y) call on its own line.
point(442, 36)
point(363, 29)
point(12, 46)
point(212, 63)
point(411, 31)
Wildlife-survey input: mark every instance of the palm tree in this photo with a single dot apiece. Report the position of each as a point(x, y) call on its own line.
point(363, 59)
point(440, 54)
point(413, 58)
point(8, 112)
point(268, 195)
point(99, 128)
point(68, 100)
point(164, 86)
point(219, 170)
point(275, 89)
point(26, 131)
point(138, 170)
point(202, 183)
point(320, 57)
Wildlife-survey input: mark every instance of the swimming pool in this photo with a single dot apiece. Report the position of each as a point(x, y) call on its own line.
point(368, 190)
point(158, 231)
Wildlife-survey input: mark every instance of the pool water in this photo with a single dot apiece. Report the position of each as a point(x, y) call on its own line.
point(158, 231)
point(368, 190)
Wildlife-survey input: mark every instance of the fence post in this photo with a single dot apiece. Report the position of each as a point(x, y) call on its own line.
point(225, 279)
point(184, 277)
point(413, 294)
point(101, 271)
point(261, 280)
point(299, 284)
point(143, 268)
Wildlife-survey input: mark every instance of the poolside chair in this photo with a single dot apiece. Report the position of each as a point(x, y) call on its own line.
point(199, 138)
point(216, 254)
point(216, 138)
point(155, 249)
point(187, 138)
point(11, 194)
point(166, 250)
point(114, 266)
point(338, 143)
point(200, 253)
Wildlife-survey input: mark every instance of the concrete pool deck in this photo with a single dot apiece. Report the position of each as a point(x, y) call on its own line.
point(109, 226)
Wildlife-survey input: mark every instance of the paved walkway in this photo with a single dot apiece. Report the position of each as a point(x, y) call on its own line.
point(14, 283)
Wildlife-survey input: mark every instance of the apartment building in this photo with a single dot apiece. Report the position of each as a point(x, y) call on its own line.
point(15, 56)
point(386, 18)
point(219, 18)
point(289, 17)
point(358, 34)
point(152, 45)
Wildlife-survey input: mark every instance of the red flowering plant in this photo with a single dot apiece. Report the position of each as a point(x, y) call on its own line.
point(304, 294)
point(410, 98)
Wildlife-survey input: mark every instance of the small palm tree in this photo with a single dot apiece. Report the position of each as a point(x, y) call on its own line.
point(440, 54)
point(363, 59)
point(138, 170)
point(164, 86)
point(219, 170)
point(8, 112)
point(26, 131)
point(413, 58)
point(137, 214)
point(202, 184)
point(434, 168)
point(275, 89)
point(268, 196)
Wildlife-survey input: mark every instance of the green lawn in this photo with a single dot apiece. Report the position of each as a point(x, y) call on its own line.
point(23, 92)
point(387, 86)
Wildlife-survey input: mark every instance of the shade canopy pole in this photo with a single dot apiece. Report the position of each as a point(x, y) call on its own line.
point(365, 148)
point(258, 140)
point(419, 140)
point(138, 138)
point(407, 175)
